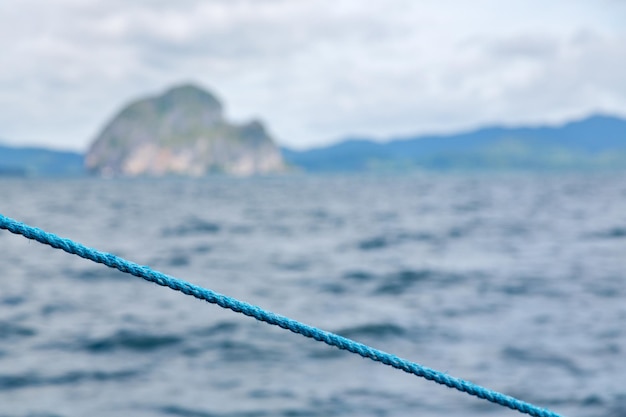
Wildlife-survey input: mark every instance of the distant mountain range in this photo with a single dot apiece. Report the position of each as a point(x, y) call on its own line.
point(39, 162)
point(594, 143)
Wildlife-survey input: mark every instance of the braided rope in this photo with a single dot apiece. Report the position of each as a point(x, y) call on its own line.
point(258, 313)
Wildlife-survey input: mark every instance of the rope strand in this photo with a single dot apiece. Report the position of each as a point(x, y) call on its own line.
point(260, 314)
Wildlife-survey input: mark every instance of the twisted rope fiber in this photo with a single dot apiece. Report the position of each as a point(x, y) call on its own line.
point(258, 313)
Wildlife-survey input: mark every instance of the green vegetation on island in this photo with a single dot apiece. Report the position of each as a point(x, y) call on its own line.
point(596, 143)
point(181, 132)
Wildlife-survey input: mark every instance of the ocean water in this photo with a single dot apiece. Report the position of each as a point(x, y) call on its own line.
point(515, 282)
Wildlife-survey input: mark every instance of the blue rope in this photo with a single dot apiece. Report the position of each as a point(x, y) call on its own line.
point(258, 313)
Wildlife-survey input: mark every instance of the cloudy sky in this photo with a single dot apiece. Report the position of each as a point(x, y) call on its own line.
point(314, 71)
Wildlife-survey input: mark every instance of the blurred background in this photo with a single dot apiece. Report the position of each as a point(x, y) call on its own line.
point(315, 71)
point(445, 181)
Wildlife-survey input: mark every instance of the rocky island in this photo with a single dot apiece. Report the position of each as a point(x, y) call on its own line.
point(181, 132)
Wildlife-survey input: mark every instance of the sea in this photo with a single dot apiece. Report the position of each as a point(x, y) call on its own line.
point(514, 281)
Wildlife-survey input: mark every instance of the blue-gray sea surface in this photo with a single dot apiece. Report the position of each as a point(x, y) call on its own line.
point(514, 282)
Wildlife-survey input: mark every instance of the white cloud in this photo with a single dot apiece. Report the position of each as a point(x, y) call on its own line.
point(315, 70)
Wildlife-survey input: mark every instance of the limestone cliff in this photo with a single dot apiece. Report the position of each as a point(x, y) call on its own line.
point(181, 132)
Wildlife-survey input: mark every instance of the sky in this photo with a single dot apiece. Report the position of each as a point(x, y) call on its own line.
point(313, 71)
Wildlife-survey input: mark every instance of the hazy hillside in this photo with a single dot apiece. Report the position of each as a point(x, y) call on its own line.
point(594, 143)
point(31, 162)
point(597, 143)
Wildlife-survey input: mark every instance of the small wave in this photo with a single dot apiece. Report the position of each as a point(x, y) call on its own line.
point(202, 248)
point(617, 406)
point(376, 242)
point(613, 233)
point(242, 229)
point(517, 289)
point(400, 281)
point(178, 260)
point(528, 286)
point(93, 273)
point(384, 241)
point(592, 401)
point(174, 259)
point(13, 382)
point(8, 330)
point(12, 300)
point(54, 308)
point(235, 351)
point(279, 230)
point(295, 265)
point(126, 340)
point(458, 232)
point(219, 328)
point(377, 330)
point(333, 288)
point(174, 410)
point(220, 339)
point(266, 393)
point(470, 206)
point(359, 276)
point(541, 357)
point(606, 291)
point(192, 226)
